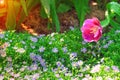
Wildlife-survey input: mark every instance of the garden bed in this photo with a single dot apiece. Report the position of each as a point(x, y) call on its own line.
point(59, 56)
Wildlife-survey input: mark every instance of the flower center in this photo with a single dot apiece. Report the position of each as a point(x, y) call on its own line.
point(94, 29)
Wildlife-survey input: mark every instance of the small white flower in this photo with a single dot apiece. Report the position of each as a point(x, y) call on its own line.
point(1, 77)
point(107, 68)
point(50, 42)
point(16, 75)
point(80, 62)
point(108, 78)
point(9, 59)
point(35, 76)
point(61, 40)
point(64, 49)
point(41, 49)
point(74, 64)
point(99, 78)
point(23, 42)
point(96, 68)
point(55, 50)
point(71, 28)
point(52, 34)
point(20, 50)
point(57, 75)
point(15, 47)
point(12, 79)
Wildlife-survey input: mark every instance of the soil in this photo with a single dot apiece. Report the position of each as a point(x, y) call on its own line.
point(36, 25)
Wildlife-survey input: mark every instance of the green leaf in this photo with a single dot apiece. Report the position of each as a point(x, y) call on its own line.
point(114, 7)
point(42, 13)
point(46, 6)
point(55, 19)
point(11, 18)
point(24, 6)
point(30, 4)
point(114, 24)
point(63, 8)
point(81, 7)
point(16, 7)
point(106, 22)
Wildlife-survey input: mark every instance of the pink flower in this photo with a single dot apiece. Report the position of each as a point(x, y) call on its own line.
point(91, 30)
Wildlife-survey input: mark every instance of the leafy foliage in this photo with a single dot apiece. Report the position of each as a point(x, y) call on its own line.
point(81, 7)
point(18, 10)
point(112, 15)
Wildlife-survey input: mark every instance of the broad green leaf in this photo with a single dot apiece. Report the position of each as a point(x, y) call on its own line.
point(11, 18)
point(114, 8)
point(24, 6)
point(63, 8)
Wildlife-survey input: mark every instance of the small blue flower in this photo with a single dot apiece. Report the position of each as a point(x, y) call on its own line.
point(84, 50)
point(55, 50)
point(64, 49)
point(34, 39)
point(1, 35)
point(41, 49)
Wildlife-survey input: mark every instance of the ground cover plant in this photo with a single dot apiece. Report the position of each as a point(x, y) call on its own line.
point(59, 56)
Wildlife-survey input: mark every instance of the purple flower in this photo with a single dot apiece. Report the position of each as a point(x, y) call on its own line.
point(58, 64)
point(1, 35)
point(107, 68)
point(42, 61)
point(64, 49)
point(35, 76)
point(33, 67)
point(73, 55)
point(84, 50)
point(71, 28)
point(33, 56)
point(91, 30)
point(80, 62)
point(55, 50)
point(34, 39)
point(96, 68)
point(115, 68)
